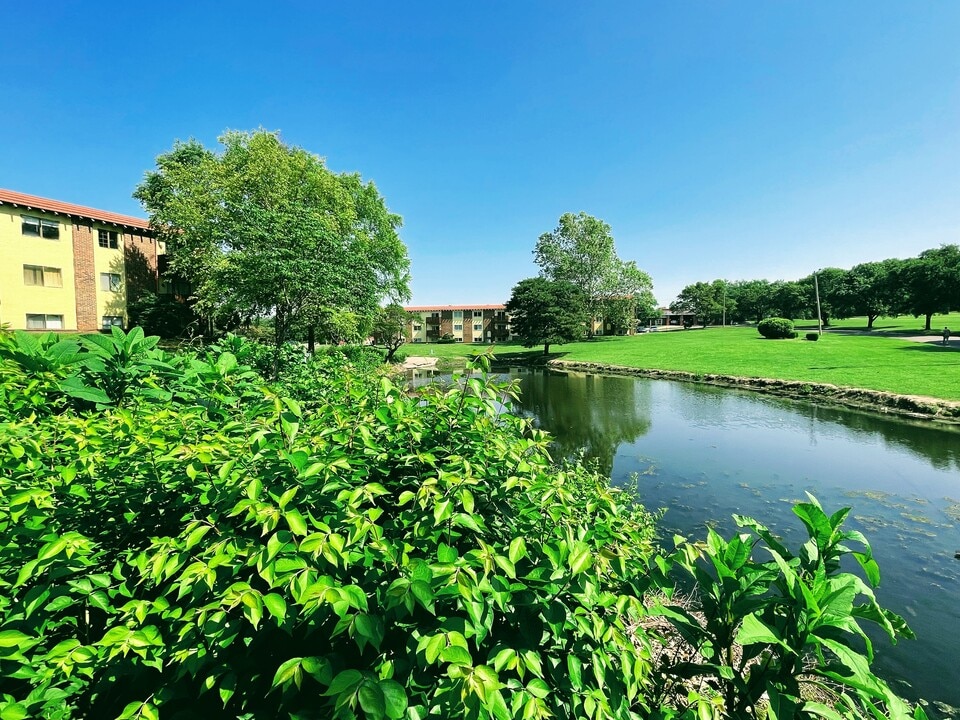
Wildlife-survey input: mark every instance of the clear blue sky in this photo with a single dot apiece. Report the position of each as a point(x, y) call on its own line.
point(718, 139)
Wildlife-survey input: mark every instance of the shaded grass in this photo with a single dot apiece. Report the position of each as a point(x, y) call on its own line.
point(903, 325)
point(850, 360)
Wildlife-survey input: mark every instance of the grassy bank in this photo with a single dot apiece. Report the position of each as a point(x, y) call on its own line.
point(870, 361)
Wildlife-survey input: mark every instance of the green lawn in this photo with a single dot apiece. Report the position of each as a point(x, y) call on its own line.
point(867, 361)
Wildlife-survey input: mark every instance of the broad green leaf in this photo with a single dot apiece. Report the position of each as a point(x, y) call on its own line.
point(395, 699)
point(276, 606)
point(372, 700)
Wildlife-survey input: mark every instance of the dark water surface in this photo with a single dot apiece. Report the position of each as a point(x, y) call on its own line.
point(705, 453)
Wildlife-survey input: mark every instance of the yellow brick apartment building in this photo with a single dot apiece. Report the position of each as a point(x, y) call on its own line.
point(463, 323)
point(69, 267)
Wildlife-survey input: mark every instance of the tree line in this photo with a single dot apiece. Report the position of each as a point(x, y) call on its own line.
point(921, 286)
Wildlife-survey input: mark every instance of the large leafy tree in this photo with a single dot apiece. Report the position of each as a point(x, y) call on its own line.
point(701, 300)
point(546, 312)
point(265, 228)
point(932, 282)
point(581, 251)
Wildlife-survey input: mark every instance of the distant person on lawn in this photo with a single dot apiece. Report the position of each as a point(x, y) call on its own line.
point(946, 335)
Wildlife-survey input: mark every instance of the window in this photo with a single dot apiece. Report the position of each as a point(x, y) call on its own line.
point(477, 327)
point(478, 313)
point(37, 227)
point(110, 282)
point(110, 321)
point(478, 339)
point(42, 276)
point(458, 339)
point(417, 327)
point(458, 328)
point(416, 340)
point(458, 314)
point(44, 322)
point(108, 239)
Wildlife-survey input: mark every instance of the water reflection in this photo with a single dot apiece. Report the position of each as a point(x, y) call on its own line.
point(586, 412)
point(705, 453)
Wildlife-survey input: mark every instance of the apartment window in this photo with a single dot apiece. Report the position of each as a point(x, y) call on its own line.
point(478, 313)
point(477, 327)
point(110, 321)
point(458, 328)
point(458, 314)
point(478, 339)
point(38, 227)
point(110, 282)
point(417, 328)
point(460, 339)
point(416, 340)
point(108, 239)
point(44, 322)
point(42, 276)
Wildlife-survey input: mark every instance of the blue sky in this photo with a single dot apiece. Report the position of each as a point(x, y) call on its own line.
point(718, 139)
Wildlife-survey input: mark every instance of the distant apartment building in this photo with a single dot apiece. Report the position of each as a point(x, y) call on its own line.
point(461, 323)
point(69, 267)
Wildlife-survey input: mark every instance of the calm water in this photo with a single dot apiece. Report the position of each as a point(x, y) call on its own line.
point(705, 453)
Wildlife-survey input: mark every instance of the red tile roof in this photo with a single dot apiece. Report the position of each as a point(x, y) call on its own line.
point(33, 202)
point(436, 308)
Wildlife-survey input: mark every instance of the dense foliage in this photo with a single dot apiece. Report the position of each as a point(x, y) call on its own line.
point(776, 328)
point(546, 312)
point(581, 251)
point(180, 539)
point(263, 228)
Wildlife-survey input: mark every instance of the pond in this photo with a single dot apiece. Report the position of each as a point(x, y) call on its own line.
point(705, 453)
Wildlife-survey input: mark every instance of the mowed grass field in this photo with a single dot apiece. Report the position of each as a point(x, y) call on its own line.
point(874, 361)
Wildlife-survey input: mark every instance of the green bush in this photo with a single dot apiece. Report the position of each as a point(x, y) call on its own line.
point(776, 328)
point(179, 538)
point(813, 336)
point(446, 339)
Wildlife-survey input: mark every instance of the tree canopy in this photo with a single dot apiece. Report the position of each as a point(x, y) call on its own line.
point(546, 312)
point(263, 228)
point(581, 251)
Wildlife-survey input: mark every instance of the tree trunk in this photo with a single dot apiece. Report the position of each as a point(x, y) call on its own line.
point(311, 340)
point(546, 348)
point(929, 317)
point(870, 319)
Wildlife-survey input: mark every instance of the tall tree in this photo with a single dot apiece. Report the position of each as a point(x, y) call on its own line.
point(546, 312)
point(628, 297)
point(932, 282)
point(266, 228)
point(699, 299)
point(753, 299)
point(581, 251)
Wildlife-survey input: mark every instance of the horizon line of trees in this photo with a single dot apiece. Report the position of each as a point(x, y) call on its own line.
point(924, 285)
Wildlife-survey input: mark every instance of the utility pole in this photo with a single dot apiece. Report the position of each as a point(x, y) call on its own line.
point(724, 303)
point(816, 287)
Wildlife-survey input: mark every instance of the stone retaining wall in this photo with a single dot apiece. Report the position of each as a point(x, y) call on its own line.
point(915, 406)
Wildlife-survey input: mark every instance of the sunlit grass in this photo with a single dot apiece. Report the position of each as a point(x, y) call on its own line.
point(872, 361)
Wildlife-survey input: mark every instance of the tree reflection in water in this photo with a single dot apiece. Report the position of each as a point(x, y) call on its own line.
point(587, 412)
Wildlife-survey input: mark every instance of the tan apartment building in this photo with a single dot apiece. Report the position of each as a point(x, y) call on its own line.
point(69, 267)
point(463, 323)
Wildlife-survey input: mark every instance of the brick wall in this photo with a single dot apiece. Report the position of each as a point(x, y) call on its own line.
point(140, 265)
point(85, 277)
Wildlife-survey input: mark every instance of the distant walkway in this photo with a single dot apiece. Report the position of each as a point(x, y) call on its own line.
point(934, 338)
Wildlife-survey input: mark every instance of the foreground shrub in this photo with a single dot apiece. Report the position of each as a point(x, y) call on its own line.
point(813, 336)
point(380, 556)
point(197, 545)
point(776, 328)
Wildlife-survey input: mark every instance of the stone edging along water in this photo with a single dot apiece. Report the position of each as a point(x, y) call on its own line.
point(913, 406)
